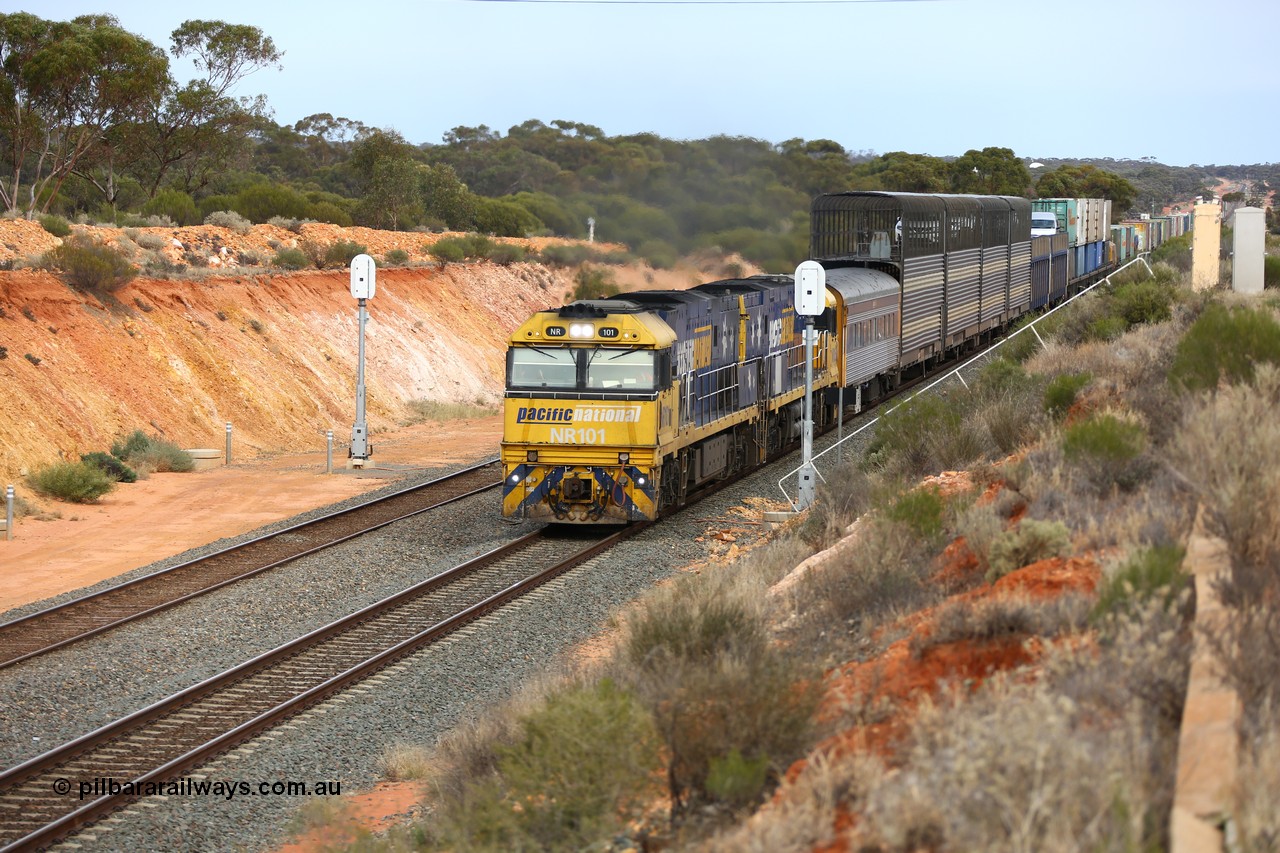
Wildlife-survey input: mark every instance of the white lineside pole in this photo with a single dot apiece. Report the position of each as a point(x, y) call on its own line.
point(810, 299)
point(363, 284)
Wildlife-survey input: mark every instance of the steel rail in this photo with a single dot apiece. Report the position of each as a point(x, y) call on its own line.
point(34, 774)
point(20, 638)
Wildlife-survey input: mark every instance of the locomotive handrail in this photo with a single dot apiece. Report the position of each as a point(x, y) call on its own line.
point(954, 372)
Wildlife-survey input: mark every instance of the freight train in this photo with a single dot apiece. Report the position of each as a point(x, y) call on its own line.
point(616, 409)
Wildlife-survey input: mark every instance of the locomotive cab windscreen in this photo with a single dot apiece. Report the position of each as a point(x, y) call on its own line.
point(586, 369)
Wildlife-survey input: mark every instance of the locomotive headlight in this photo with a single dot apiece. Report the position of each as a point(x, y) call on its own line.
point(582, 330)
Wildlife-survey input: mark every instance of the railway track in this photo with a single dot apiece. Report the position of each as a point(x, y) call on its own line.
point(92, 614)
point(39, 799)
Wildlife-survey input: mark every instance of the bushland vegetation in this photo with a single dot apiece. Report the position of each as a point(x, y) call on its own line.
point(208, 149)
point(714, 686)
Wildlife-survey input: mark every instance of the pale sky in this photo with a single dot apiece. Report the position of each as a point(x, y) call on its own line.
point(1183, 81)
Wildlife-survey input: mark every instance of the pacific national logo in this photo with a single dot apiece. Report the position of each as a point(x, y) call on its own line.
point(583, 414)
point(544, 415)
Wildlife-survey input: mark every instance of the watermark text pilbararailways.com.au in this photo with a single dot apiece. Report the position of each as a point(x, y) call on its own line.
point(187, 786)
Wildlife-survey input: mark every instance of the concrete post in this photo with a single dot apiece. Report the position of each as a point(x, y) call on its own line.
point(1206, 246)
point(1248, 249)
point(328, 461)
point(228, 442)
point(8, 512)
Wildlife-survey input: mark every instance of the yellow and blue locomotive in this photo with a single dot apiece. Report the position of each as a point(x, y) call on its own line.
point(618, 407)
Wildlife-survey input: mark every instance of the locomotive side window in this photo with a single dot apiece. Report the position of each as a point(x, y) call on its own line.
point(535, 367)
point(621, 369)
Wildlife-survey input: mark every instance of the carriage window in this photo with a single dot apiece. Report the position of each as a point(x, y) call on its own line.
point(535, 367)
point(620, 369)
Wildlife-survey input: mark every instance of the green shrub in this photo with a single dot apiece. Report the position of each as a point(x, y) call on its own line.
point(1150, 572)
point(1001, 376)
point(1105, 438)
point(578, 772)
point(229, 219)
point(1107, 449)
point(659, 254)
point(924, 435)
point(175, 204)
point(447, 250)
point(1061, 393)
point(1225, 345)
point(1024, 345)
point(566, 254)
point(341, 253)
point(148, 453)
point(736, 780)
point(477, 245)
point(291, 259)
point(689, 626)
point(136, 442)
point(55, 225)
point(396, 258)
point(212, 203)
point(263, 202)
point(1029, 541)
point(111, 466)
point(504, 218)
point(77, 482)
point(1271, 271)
point(1142, 302)
point(594, 283)
point(923, 510)
point(87, 265)
point(506, 254)
point(327, 211)
point(1107, 327)
point(700, 655)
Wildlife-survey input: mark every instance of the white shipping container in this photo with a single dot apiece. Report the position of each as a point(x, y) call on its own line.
point(1106, 216)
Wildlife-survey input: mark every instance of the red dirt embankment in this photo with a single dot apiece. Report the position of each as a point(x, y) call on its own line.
point(275, 355)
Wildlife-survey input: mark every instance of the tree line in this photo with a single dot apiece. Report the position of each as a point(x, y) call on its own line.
point(93, 124)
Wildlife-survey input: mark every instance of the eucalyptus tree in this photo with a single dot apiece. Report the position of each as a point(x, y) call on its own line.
point(65, 88)
point(991, 171)
point(194, 130)
point(1088, 181)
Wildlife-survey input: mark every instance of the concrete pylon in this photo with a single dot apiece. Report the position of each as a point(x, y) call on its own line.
point(1206, 246)
point(1248, 248)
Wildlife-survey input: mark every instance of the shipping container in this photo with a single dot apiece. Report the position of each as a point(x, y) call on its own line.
point(1068, 212)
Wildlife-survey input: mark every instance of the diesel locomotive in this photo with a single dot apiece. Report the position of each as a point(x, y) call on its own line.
point(616, 409)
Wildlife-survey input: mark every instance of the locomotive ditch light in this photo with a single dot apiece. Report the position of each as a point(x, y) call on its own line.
point(531, 456)
point(624, 458)
point(515, 478)
point(582, 330)
point(641, 480)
